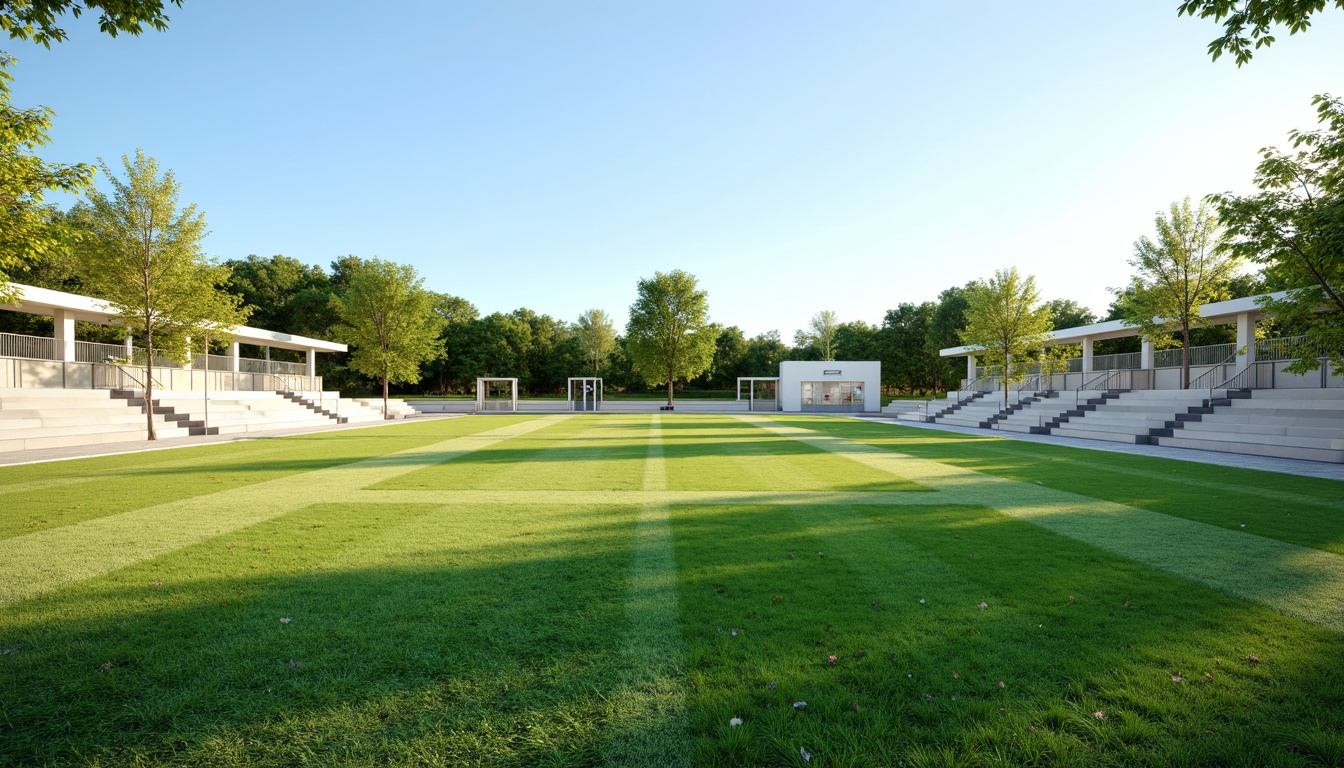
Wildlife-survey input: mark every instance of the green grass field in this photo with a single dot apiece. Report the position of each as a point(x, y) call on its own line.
point(617, 590)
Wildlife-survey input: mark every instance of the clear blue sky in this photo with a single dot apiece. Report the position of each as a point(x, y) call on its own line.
point(794, 156)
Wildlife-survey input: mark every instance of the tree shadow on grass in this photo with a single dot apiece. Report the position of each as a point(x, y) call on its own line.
point(895, 594)
point(502, 654)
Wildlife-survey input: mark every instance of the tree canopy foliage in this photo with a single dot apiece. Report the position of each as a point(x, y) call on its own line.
point(1006, 321)
point(670, 336)
point(388, 319)
point(1175, 275)
point(143, 256)
point(1248, 25)
point(1295, 226)
point(36, 20)
point(32, 229)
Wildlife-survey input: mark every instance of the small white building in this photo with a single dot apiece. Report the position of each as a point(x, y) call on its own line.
point(845, 386)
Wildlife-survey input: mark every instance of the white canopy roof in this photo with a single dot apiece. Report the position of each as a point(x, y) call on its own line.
point(44, 301)
point(1215, 313)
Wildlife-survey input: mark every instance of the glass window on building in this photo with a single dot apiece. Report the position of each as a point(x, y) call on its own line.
point(833, 393)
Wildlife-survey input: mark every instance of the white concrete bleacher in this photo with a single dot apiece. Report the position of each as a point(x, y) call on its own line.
point(233, 413)
point(1287, 423)
point(36, 418)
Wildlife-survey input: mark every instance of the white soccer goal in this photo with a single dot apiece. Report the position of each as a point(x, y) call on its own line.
point(585, 393)
point(761, 392)
point(496, 394)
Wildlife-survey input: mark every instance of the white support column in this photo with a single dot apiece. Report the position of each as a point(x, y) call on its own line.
point(233, 357)
point(1146, 355)
point(1087, 354)
point(65, 334)
point(312, 363)
point(1245, 339)
point(130, 349)
point(970, 368)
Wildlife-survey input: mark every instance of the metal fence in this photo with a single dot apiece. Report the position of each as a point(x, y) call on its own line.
point(1212, 354)
point(1117, 362)
point(1290, 348)
point(27, 347)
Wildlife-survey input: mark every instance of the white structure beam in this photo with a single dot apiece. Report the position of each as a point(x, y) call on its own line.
point(65, 334)
point(1245, 339)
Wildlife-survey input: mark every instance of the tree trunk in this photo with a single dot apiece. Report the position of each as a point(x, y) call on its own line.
point(669, 387)
point(1185, 356)
point(149, 385)
point(384, 397)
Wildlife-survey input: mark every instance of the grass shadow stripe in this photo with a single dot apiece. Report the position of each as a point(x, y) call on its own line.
point(100, 545)
point(648, 715)
point(1292, 580)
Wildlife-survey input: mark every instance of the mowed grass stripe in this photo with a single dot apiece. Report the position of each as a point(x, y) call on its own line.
point(636, 497)
point(28, 566)
point(588, 453)
point(1297, 581)
point(44, 496)
point(414, 632)
point(648, 712)
point(1069, 629)
point(708, 453)
point(1307, 511)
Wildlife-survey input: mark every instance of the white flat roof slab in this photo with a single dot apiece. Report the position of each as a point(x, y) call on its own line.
point(1217, 313)
point(44, 301)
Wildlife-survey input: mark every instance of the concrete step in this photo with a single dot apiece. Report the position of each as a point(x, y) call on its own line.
point(1250, 430)
point(1254, 449)
point(1324, 443)
point(1092, 434)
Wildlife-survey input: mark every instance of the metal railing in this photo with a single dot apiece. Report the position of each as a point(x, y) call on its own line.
point(95, 352)
point(1206, 355)
point(1289, 348)
point(1199, 383)
point(28, 347)
point(1117, 361)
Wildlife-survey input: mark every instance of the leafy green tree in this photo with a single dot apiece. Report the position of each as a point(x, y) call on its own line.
point(856, 340)
point(287, 294)
point(35, 20)
point(945, 328)
point(31, 228)
point(670, 336)
point(596, 335)
point(143, 256)
point(457, 315)
point(1006, 321)
point(820, 333)
point(1295, 226)
point(1176, 275)
point(909, 360)
point(1248, 24)
point(1067, 313)
point(388, 318)
point(763, 355)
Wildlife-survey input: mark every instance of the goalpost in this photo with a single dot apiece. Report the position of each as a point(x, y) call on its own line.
point(762, 392)
point(589, 393)
point(496, 394)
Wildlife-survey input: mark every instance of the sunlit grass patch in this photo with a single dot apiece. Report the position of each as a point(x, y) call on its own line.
point(715, 453)
point(594, 453)
point(1299, 510)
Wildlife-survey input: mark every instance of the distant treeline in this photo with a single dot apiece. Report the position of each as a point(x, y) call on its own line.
point(543, 351)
